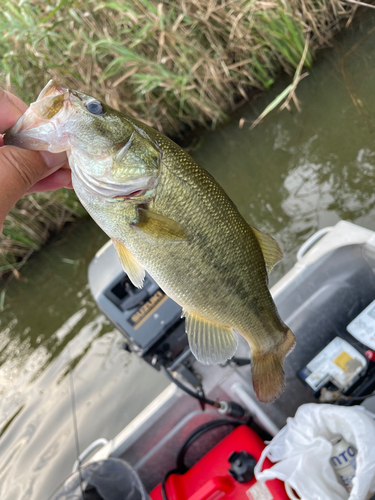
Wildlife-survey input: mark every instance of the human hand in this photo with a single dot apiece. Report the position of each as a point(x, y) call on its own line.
point(23, 171)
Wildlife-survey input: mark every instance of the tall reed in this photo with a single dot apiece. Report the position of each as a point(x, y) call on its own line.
point(170, 63)
point(30, 223)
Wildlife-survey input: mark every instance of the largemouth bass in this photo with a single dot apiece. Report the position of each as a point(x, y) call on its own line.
point(167, 215)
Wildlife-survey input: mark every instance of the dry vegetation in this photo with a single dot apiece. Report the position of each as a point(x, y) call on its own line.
point(171, 63)
point(29, 224)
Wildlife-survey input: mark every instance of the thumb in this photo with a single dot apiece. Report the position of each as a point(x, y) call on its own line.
point(20, 169)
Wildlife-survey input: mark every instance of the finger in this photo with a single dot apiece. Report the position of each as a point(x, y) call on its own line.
point(63, 165)
point(54, 160)
point(60, 178)
point(20, 169)
point(10, 112)
point(17, 102)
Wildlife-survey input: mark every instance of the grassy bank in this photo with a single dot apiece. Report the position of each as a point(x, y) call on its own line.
point(172, 64)
point(168, 63)
point(29, 224)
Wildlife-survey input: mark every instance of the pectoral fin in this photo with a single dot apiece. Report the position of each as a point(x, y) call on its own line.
point(210, 343)
point(131, 266)
point(156, 226)
point(270, 249)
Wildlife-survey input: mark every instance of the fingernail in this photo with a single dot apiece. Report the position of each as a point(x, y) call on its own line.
point(54, 160)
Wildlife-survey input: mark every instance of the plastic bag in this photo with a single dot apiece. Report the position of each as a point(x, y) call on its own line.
point(302, 450)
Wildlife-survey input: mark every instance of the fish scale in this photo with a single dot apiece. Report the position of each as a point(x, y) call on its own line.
point(168, 216)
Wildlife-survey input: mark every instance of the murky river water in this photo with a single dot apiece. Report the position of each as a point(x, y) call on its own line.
point(290, 176)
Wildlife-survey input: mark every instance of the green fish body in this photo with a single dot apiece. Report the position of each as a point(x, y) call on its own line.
point(167, 215)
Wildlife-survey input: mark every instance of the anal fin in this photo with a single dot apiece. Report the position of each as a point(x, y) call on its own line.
point(130, 264)
point(210, 343)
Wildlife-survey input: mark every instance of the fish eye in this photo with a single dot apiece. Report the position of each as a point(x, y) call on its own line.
point(95, 107)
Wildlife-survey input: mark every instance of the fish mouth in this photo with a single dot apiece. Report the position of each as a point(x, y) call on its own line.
point(52, 89)
point(37, 127)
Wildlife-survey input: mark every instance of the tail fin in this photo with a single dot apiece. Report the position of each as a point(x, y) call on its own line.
point(267, 370)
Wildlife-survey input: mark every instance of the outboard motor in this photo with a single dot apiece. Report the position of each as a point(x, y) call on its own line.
point(110, 479)
point(149, 320)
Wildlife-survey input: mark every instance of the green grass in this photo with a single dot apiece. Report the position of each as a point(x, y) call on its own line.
point(30, 223)
point(171, 63)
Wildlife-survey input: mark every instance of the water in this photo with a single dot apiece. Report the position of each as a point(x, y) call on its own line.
point(290, 176)
point(50, 324)
point(297, 172)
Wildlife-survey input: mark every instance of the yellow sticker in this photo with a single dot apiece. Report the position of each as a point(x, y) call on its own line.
point(342, 361)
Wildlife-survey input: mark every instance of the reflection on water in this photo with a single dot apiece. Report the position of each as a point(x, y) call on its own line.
point(51, 324)
point(290, 176)
point(298, 172)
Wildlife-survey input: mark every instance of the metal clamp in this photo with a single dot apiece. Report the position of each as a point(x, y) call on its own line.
point(311, 241)
point(99, 443)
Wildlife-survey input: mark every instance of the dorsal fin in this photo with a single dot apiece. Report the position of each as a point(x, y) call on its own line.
point(156, 226)
point(210, 343)
point(131, 266)
point(270, 249)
